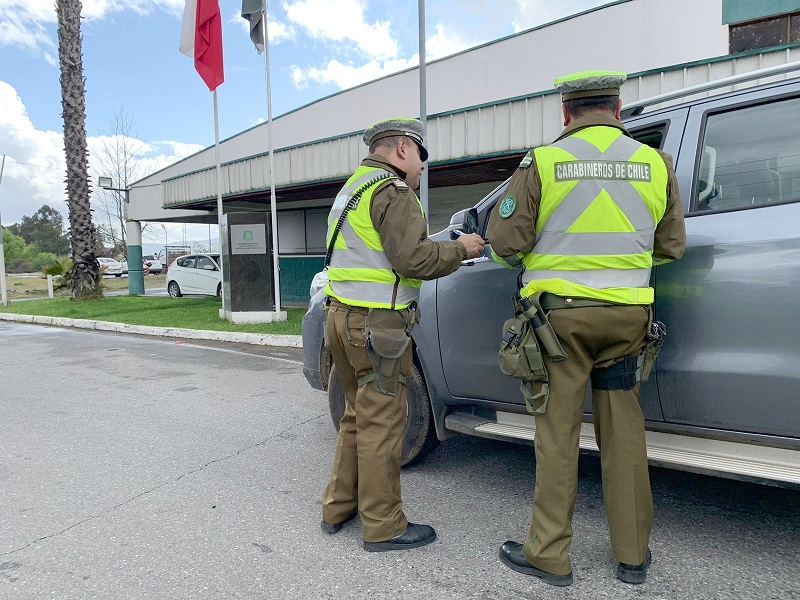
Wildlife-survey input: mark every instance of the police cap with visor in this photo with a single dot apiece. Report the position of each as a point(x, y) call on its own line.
point(585, 84)
point(410, 128)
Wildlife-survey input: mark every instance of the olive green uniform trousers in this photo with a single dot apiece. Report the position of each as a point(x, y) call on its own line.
point(591, 337)
point(366, 464)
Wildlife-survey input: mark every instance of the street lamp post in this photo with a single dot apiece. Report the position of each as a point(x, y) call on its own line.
point(3, 292)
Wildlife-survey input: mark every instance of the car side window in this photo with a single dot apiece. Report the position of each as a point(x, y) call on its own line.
point(750, 157)
point(652, 135)
point(203, 262)
point(186, 262)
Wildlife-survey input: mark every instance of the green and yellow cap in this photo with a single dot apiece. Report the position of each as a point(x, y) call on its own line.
point(411, 128)
point(589, 83)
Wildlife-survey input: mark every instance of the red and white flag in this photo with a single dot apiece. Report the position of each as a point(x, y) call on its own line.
point(201, 38)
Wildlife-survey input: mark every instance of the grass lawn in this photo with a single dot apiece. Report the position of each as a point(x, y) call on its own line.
point(189, 313)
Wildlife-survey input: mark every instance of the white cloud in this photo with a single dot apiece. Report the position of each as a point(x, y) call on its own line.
point(278, 31)
point(35, 165)
point(444, 43)
point(23, 23)
point(343, 21)
point(346, 76)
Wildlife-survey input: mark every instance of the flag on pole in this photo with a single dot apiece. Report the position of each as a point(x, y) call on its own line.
point(255, 12)
point(201, 39)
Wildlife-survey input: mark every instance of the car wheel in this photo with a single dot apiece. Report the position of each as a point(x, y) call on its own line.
point(419, 436)
point(174, 289)
point(219, 290)
point(118, 275)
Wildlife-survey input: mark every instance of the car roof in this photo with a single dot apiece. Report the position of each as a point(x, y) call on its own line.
point(762, 91)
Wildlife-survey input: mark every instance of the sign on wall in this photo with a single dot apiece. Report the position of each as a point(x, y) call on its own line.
point(249, 239)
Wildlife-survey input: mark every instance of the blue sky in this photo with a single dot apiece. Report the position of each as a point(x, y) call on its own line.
point(131, 62)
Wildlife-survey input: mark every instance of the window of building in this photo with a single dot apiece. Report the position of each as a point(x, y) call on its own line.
point(302, 231)
point(773, 31)
point(750, 158)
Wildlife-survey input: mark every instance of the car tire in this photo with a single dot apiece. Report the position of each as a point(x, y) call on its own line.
point(118, 275)
point(419, 436)
point(174, 289)
point(219, 290)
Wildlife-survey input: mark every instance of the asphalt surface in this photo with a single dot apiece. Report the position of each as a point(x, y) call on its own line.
point(134, 467)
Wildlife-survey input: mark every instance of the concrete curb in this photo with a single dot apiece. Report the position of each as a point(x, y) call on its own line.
point(259, 339)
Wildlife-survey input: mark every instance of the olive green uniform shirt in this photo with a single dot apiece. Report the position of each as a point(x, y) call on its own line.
point(517, 233)
point(398, 219)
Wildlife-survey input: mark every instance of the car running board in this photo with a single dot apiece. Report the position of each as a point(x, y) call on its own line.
point(735, 460)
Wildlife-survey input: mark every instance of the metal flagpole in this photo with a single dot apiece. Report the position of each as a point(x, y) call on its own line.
point(423, 108)
point(219, 188)
point(270, 149)
point(3, 292)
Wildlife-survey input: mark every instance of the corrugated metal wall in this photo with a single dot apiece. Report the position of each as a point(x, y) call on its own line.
point(501, 128)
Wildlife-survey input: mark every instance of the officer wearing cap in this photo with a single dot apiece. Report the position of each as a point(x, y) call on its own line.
point(379, 253)
point(586, 218)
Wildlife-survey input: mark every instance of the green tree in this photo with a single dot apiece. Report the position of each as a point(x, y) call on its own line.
point(84, 277)
point(45, 230)
point(14, 247)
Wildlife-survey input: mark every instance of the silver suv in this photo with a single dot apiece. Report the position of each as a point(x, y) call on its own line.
point(725, 394)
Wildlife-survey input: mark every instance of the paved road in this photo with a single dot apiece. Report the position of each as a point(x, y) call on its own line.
point(138, 468)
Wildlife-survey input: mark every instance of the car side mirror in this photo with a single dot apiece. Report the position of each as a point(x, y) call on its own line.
point(209, 267)
point(464, 221)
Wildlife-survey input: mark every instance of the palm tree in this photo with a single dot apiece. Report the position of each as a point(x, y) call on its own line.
point(84, 275)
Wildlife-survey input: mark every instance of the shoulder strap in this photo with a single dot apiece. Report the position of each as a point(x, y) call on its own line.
point(351, 204)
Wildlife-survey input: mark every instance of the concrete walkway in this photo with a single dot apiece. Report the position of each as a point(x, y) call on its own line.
point(261, 339)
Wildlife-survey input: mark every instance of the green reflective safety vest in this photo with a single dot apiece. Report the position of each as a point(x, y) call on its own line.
point(359, 273)
point(603, 194)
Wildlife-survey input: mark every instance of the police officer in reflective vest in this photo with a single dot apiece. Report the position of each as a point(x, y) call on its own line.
point(587, 217)
point(379, 252)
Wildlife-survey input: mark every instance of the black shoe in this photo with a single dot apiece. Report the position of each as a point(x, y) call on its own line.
point(414, 536)
point(331, 528)
point(511, 555)
point(634, 573)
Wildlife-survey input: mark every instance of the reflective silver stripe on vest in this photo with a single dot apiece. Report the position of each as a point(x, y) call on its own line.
point(597, 278)
point(369, 291)
point(553, 239)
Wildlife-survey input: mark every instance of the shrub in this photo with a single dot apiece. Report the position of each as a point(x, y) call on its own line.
point(20, 265)
point(58, 268)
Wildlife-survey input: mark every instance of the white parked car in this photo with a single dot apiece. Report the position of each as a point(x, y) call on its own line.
point(111, 266)
point(145, 267)
point(195, 274)
point(155, 265)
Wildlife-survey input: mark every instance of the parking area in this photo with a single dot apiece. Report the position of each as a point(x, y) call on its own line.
point(147, 468)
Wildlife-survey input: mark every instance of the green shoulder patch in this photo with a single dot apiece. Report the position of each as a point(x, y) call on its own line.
point(507, 206)
point(527, 160)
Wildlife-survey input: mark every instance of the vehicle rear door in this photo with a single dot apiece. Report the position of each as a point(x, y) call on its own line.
point(732, 350)
point(206, 276)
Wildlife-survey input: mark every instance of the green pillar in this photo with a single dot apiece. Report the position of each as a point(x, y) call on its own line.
point(135, 273)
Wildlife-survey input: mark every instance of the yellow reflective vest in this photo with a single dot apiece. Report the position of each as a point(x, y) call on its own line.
point(603, 194)
point(359, 273)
